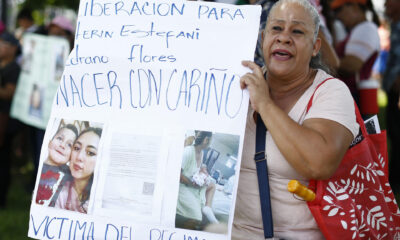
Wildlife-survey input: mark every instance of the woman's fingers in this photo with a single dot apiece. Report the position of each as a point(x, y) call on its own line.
point(254, 68)
point(246, 80)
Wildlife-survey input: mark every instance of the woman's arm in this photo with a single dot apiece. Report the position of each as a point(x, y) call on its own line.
point(329, 55)
point(349, 65)
point(315, 148)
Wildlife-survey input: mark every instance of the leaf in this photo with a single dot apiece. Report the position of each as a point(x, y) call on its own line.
point(375, 209)
point(331, 185)
point(343, 197)
point(380, 173)
point(388, 199)
point(379, 214)
point(354, 169)
point(344, 224)
point(333, 212)
point(340, 191)
point(362, 175)
point(328, 199)
point(326, 208)
point(373, 198)
point(367, 175)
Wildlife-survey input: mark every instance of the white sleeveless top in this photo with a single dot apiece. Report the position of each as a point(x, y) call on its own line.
point(292, 218)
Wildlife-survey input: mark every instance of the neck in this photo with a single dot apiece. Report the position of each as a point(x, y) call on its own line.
point(79, 185)
point(362, 18)
point(48, 161)
point(285, 91)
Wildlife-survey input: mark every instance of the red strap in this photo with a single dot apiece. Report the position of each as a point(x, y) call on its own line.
point(359, 119)
point(311, 98)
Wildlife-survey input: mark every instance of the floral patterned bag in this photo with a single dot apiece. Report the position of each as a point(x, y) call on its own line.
point(357, 202)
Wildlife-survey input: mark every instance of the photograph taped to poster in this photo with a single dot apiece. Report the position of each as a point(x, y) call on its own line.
point(206, 181)
point(69, 162)
point(152, 75)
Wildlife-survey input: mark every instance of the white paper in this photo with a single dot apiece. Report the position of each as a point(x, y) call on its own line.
point(150, 74)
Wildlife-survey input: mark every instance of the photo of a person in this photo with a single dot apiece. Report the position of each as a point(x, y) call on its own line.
point(27, 58)
point(198, 190)
point(75, 194)
point(36, 101)
point(59, 66)
point(55, 170)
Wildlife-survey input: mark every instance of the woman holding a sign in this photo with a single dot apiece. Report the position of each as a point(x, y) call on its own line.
point(295, 140)
point(75, 194)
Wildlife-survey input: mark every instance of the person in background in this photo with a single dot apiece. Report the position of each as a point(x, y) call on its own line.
point(299, 144)
point(391, 84)
point(2, 27)
point(9, 73)
point(358, 51)
point(25, 23)
point(60, 26)
point(380, 64)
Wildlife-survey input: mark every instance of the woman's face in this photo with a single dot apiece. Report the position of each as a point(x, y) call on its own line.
point(84, 154)
point(60, 147)
point(206, 142)
point(349, 14)
point(288, 44)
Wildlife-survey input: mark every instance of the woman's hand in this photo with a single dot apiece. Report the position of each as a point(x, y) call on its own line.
point(188, 182)
point(256, 85)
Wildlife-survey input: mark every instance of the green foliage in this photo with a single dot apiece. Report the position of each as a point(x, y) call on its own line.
point(41, 4)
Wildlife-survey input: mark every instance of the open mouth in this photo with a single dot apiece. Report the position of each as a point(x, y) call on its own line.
point(281, 54)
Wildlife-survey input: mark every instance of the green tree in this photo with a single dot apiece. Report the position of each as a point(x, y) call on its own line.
point(41, 4)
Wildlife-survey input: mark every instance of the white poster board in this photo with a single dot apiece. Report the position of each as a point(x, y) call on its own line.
point(42, 65)
point(150, 76)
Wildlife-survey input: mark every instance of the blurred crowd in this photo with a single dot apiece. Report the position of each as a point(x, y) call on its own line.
point(16, 138)
point(359, 46)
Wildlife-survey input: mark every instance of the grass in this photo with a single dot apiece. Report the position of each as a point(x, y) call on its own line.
point(14, 219)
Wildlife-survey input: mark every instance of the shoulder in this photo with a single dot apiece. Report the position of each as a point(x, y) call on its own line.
point(333, 101)
point(364, 31)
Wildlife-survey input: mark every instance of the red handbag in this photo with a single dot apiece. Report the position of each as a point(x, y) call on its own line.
point(357, 202)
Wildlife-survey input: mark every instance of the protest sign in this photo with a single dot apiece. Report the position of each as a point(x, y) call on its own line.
point(146, 131)
point(43, 63)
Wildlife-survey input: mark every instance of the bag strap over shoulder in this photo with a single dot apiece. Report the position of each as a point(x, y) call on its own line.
point(359, 119)
point(262, 174)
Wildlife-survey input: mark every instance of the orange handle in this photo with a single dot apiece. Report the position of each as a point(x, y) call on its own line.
point(300, 190)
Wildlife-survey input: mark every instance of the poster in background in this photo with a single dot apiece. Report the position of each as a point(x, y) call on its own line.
point(42, 65)
point(154, 76)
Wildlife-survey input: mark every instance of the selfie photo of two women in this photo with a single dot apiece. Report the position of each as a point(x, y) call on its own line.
point(68, 165)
